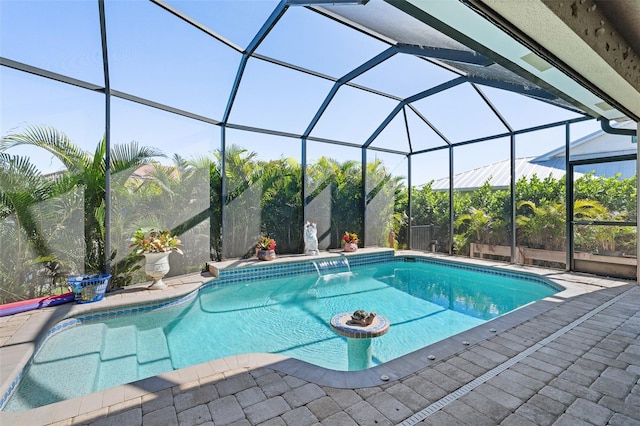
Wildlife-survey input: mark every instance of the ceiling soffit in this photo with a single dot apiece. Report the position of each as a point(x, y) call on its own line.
point(582, 41)
point(610, 28)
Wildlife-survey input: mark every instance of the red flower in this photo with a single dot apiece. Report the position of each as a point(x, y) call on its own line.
point(266, 243)
point(350, 237)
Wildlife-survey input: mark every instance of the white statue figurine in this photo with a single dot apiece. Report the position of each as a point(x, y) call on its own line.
point(311, 239)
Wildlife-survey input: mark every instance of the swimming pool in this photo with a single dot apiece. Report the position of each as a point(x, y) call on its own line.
point(424, 302)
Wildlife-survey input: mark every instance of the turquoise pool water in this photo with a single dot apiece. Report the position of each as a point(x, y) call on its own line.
point(424, 303)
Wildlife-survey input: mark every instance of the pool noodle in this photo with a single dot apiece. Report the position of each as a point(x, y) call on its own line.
point(41, 302)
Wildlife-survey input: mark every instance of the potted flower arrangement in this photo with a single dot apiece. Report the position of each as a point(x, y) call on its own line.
point(266, 248)
point(156, 246)
point(350, 241)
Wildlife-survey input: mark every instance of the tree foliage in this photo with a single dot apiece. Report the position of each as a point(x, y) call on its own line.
point(56, 224)
point(483, 215)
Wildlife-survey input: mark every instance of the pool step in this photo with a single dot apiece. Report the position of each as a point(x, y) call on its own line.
point(118, 357)
point(119, 342)
point(129, 354)
point(152, 345)
point(154, 368)
point(117, 371)
point(87, 339)
point(153, 353)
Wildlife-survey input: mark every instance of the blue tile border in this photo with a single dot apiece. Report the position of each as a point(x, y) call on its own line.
point(232, 276)
point(289, 269)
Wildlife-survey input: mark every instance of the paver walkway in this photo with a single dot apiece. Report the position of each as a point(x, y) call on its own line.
point(577, 363)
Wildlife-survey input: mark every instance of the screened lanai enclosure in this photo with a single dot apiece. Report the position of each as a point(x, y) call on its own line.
point(224, 121)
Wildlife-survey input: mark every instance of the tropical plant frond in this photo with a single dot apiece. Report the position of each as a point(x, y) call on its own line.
point(527, 203)
point(179, 162)
point(200, 162)
point(65, 183)
point(53, 141)
point(590, 209)
point(100, 215)
point(99, 156)
point(167, 177)
point(21, 184)
point(127, 156)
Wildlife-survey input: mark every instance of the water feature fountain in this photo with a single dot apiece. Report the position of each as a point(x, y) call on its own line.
point(326, 267)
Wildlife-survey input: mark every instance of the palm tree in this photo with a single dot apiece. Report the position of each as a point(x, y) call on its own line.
point(346, 199)
point(282, 204)
point(544, 227)
point(174, 197)
point(86, 171)
point(477, 223)
point(22, 187)
point(242, 201)
point(384, 196)
point(25, 250)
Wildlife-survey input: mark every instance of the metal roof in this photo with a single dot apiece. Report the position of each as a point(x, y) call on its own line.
point(595, 145)
point(499, 173)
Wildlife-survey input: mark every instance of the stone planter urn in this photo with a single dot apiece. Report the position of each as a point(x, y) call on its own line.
point(157, 266)
point(266, 254)
point(350, 247)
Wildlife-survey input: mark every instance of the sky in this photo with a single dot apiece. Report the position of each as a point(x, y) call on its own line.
point(154, 55)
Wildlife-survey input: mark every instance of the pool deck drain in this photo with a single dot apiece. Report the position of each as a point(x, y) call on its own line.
point(573, 373)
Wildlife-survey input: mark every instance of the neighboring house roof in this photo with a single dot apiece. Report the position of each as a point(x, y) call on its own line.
point(552, 163)
point(147, 171)
point(500, 175)
point(596, 144)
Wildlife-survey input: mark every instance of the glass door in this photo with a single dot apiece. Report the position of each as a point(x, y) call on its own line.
point(604, 216)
